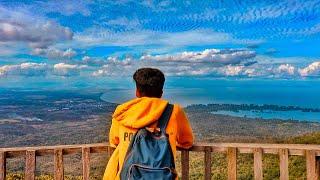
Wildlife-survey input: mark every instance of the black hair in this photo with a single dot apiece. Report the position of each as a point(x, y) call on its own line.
point(149, 82)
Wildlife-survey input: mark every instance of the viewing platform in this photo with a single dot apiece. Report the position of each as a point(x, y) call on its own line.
point(310, 152)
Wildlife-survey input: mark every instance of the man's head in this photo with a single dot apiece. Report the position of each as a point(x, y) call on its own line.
point(149, 82)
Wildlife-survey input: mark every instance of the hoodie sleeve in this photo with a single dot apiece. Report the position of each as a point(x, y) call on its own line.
point(184, 131)
point(114, 133)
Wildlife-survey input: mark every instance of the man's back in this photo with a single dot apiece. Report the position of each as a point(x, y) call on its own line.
point(144, 112)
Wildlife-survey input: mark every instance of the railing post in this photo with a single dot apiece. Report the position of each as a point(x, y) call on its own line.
point(3, 163)
point(86, 163)
point(318, 167)
point(30, 165)
point(284, 161)
point(232, 163)
point(311, 165)
point(207, 163)
point(110, 151)
point(58, 164)
point(258, 170)
point(184, 164)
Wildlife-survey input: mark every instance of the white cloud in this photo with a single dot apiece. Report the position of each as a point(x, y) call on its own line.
point(18, 25)
point(65, 7)
point(192, 64)
point(125, 23)
point(286, 69)
point(232, 70)
point(282, 9)
point(158, 6)
point(7, 70)
point(312, 69)
point(271, 14)
point(208, 62)
point(117, 67)
point(62, 69)
point(28, 69)
point(269, 70)
point(214, 56)
point(2, 73)
point(33, 69)
point(38, 35)
point(69, 53)
point(93, 61)
point(53, 53)
point(86, 58)
point(24, 69)
point(100, 36)
point(250, 72)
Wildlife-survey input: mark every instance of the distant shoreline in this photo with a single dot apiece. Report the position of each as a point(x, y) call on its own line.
point(237, 107)
point(265, 112)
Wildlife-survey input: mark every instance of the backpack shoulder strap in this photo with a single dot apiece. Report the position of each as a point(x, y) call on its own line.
point(164, 118)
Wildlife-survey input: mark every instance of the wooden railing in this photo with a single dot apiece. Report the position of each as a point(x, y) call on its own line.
point(311, 153)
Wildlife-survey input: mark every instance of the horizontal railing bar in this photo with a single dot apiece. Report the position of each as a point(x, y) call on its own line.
point(258, 145)
point(293, 149)
point(49, 150)
point(75, 146)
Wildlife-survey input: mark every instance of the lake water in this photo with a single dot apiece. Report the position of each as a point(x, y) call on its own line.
point(186, 91)
point(268, 114)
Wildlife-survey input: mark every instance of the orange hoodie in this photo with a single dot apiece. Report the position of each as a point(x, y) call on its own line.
point(138, 113)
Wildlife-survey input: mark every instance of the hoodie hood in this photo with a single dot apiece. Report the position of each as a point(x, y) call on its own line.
point(140, 112)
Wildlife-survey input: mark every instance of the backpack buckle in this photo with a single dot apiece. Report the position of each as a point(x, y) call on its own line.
point(157, 132)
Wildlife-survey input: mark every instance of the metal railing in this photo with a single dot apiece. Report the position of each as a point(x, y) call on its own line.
point(310, 152)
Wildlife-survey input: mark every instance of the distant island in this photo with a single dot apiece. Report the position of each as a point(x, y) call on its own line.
point(247, 107)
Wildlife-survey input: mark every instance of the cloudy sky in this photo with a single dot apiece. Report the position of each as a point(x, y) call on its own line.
point(90, 40)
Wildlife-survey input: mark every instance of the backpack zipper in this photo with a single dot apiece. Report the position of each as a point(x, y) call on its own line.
point(148, 167)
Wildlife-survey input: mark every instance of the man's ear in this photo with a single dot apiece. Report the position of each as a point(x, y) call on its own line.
point(138, 95)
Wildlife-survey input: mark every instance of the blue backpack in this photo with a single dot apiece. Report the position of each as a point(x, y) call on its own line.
point(149, 156)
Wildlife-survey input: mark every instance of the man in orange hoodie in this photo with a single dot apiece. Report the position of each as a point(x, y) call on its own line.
point(144, 111)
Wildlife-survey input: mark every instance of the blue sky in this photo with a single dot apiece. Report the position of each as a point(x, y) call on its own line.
point(86, 41)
